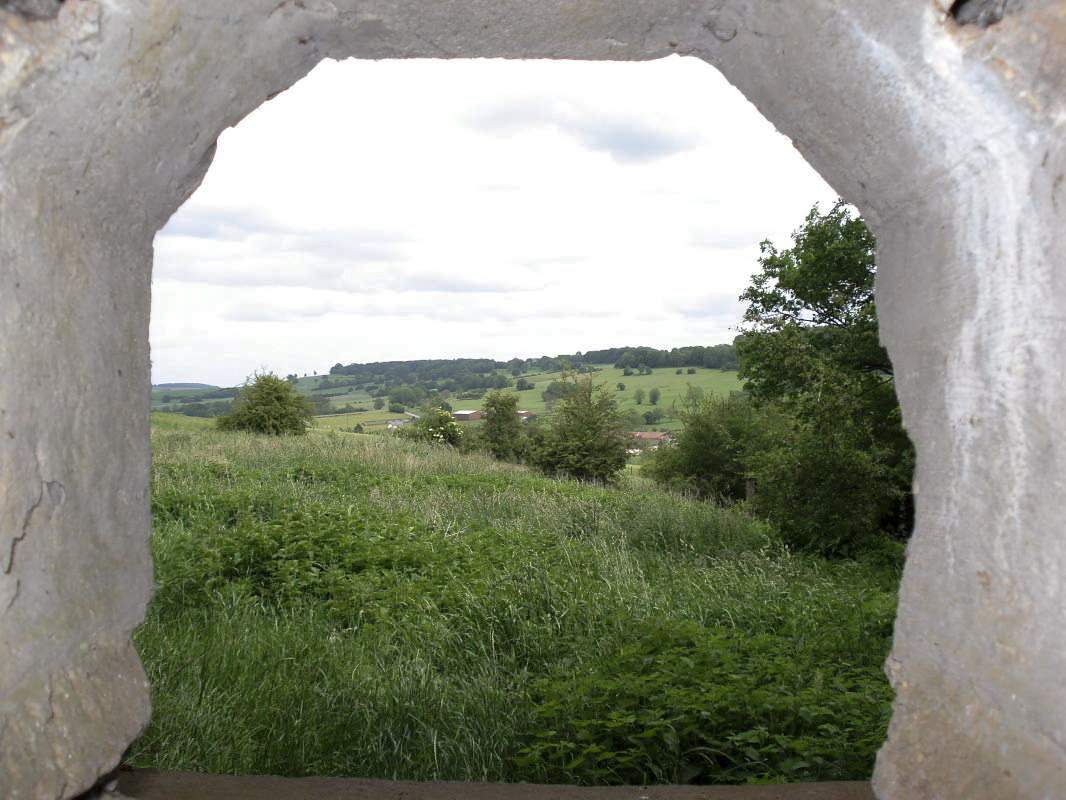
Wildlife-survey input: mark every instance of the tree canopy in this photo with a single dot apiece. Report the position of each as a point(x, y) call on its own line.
point(837, 466)
point(268, 405)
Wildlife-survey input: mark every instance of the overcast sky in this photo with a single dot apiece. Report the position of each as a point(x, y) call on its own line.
point(436, 209)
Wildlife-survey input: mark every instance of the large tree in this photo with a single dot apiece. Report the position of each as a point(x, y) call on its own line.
point(810, 346)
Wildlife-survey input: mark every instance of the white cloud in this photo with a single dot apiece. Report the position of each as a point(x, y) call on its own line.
point(419, 209)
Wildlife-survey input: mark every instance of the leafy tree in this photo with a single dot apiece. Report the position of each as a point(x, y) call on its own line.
point(502, 431)
point(654, 395)
point(810, 346)
point(523, 385)
point(638, 395)
point(587, 440)
point(379, 403)
point(691, 370)
point(268, 405)
point(653, 417)
point(621, 386)
point(396, 408)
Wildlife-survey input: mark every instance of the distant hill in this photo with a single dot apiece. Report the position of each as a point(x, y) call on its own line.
point(385, 389)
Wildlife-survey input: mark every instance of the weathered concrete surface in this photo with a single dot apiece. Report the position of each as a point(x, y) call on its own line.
point(949, 138)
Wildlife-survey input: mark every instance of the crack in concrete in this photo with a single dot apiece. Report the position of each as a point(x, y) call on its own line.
point(15, 540)
point(14, 596)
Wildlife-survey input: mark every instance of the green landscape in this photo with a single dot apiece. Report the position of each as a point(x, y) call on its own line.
point(517, 599)
point(338, 604)
point(417, 393)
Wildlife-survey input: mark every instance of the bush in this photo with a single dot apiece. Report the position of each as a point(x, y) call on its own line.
point(438, 426)
point(587, 440)
point(268, 405)
point(502, 432)
point(710, 455)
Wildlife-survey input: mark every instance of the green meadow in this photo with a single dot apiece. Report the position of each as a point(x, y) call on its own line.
point(673, 389)
point(366, 606)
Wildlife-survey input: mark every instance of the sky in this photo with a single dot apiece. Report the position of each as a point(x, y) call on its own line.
point(387, 210)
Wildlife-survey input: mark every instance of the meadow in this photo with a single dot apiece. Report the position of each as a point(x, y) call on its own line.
point(673, 389)
point(339, 604)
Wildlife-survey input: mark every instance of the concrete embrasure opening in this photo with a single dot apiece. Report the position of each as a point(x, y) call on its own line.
point(948, 138)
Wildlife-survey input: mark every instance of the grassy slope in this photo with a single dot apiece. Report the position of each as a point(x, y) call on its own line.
point(364, 606)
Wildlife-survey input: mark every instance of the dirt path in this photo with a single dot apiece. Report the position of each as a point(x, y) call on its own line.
point(166, 785)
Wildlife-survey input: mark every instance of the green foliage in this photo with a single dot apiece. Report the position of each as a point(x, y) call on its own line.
point(690, 704)
point(502, 432)
point(523, 385)
point(268, 405)
point(437, 426)
point(712, 454)
point(379, 608)
point(379, 403)
point(587, 440)
point(654, 394)
point(620, 386)
point(638, 396)
point(810, 348)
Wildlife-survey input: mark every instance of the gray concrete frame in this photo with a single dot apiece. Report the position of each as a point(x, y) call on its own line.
point(948, 137)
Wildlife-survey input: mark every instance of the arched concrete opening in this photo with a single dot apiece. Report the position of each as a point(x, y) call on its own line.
point(947, 136)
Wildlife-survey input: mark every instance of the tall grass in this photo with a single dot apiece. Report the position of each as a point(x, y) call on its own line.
point(343, 605)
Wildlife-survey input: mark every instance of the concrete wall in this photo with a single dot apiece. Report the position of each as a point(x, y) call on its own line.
point(949, 138)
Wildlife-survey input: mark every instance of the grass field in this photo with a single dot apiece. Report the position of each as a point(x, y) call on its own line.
point(360, 605)
point(368, 419)
point(672, 386)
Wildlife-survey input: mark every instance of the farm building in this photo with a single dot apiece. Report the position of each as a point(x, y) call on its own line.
point(466, 415)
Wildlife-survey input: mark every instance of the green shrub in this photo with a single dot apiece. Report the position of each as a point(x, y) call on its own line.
point(268, 405)
point(587, 440)
point(502, 432)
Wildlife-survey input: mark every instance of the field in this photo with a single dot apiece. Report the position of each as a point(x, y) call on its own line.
point(364, 606)
point(672, 386)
